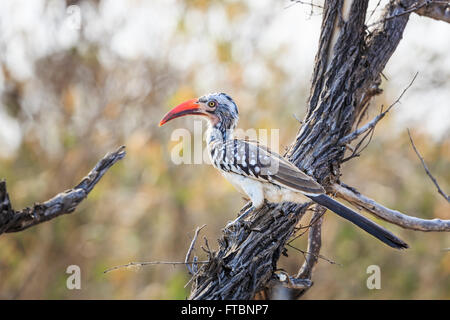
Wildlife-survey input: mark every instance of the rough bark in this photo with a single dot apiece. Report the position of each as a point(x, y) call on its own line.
point(346, 76)
point(247, 258)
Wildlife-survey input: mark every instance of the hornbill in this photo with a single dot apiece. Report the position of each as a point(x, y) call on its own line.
point(258, 172)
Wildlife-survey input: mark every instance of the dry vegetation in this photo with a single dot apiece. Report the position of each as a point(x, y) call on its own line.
point(84, 98)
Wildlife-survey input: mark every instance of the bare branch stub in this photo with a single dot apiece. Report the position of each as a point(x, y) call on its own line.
point(63, 203)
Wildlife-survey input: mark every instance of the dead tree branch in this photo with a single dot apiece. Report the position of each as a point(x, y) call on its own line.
point(446, 197)
point(347, 73)
point(194, 268)
point(150, 263)
point(63, 203)
point(245, 263)
point(360, 201)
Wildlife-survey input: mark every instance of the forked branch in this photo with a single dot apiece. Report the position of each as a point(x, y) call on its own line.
point(371, 124)
point(62, 203)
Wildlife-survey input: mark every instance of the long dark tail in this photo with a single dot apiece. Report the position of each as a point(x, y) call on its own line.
point(361, 221)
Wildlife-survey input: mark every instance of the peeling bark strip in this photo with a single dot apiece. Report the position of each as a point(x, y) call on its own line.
point(62, 203)
point(346, 76)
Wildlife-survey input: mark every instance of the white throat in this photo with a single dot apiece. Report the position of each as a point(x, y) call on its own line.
point(214, 134)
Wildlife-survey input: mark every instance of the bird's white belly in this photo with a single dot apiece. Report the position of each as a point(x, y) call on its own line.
point(275, 194)
point(236, 180)
point(257, 190)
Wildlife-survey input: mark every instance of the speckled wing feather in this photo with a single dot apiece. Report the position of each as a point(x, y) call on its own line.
point(288, 175)
point(260, 163)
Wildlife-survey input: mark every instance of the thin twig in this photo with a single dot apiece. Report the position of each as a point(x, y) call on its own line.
point(371, 125)
point(369, 128)
point(358, 150)
point(194, 276)
point(319, 256)
point(141, 264)
point(191, 247)
point(293, 2)
point(207, 250)
point(413, 8)
point(446, 197)
point(313, 221)
point(297, 118)
point(375, 9)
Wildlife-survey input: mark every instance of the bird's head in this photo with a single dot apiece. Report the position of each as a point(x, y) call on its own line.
point(219, 108)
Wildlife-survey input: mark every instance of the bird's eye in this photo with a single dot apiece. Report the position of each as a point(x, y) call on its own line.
point(211, 104)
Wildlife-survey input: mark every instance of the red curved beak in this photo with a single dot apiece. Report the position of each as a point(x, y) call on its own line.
point(184, 109)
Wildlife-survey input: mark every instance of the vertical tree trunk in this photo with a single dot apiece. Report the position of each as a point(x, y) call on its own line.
point(346, 76)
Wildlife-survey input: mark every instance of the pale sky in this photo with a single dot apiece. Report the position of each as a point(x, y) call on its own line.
point(136, 29)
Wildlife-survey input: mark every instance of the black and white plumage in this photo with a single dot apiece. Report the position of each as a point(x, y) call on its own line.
point(259, 173)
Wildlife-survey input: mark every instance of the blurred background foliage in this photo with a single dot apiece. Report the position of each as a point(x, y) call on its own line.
point(72, 90)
